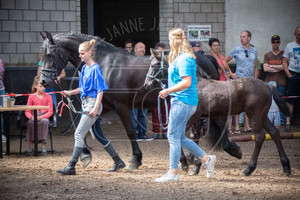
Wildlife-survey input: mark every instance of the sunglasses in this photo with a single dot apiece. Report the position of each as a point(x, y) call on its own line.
point(246, 54)
point(276, 42)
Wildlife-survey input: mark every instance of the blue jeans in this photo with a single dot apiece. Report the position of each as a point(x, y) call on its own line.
point(180, 113)
point(2, 92)
point(139, 120)
point(54, 99)
point(282, 91)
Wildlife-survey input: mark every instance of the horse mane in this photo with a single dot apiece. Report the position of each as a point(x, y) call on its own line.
point(103, 44)
point(100, 43)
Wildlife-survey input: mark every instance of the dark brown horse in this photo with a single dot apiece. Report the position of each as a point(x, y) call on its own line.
point(124, 73)
point(225, 98)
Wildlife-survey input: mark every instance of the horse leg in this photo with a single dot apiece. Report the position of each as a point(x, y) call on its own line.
point(275, 135)
point(136, 158)
point(183, 161)
point(195, 136)
point(259, 140)
point(230, 147)
point(202, 124)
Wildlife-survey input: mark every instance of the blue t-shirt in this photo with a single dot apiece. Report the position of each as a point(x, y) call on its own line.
point(244, 65)
point(184, 65)
point(91, 81)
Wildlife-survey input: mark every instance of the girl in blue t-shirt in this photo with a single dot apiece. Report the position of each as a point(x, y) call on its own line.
point(91, 88)
point(182, 88)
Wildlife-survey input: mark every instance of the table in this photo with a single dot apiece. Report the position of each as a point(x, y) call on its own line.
point(18, 108)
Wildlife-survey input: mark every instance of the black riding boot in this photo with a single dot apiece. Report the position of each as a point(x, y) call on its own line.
point(70, 168)
point(118, 163)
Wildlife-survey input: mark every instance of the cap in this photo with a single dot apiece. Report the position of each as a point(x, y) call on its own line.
point(273, 83)
point(195, 44)
point(275, 37)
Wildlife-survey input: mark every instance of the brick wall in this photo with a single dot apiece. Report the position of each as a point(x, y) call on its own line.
point(181, 13)
point(22, 20)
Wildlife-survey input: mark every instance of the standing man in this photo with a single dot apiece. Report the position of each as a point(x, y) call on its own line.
point(139, 49)
point(128, 44)
point(196, 47)
point(157, 131)
point(138, 116)
point(291, 66)
point(274, 69)
point(246, 63)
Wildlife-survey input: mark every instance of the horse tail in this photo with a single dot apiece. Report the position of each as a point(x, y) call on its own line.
point(281, 103)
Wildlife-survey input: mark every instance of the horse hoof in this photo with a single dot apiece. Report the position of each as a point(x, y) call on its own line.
point(247, 172)
point(287, 173)
point(185, 169)
point(132, 166)
point(193, 173)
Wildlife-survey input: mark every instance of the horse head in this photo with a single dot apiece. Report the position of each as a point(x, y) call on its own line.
point(53, 59)
point(158, 70)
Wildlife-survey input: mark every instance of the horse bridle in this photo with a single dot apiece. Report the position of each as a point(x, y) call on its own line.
point(160, 71)
point(163, 86)
point(53, 71)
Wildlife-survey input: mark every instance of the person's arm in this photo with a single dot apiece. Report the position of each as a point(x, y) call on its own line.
point(267, 68)
point(182, 85)
point(70, 92)
point(94, 111)
point(285, 64)
point(38, 72)
point(49, 112)
point(256, 71)
point(62, 75)
point(28, 113)
point(232, 75)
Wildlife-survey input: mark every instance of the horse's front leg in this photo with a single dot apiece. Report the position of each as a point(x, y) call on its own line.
point(259, 140)
point(136, 158)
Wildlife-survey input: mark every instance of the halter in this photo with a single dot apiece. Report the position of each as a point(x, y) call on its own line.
point(160, 71)
point(54, 71)
point(163, 86)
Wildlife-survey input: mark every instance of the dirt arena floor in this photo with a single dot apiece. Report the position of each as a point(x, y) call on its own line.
point(23, 177)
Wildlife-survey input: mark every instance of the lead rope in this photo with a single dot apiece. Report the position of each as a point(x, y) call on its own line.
point(163, 86)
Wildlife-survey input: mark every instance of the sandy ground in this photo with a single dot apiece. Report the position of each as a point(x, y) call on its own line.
point(23, 177)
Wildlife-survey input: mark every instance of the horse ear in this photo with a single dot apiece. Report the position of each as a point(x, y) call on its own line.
point(43, 36)
point(49, 36)
point(155, 53)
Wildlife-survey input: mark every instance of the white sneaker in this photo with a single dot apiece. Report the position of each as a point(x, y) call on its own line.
point(167, 178)
point(44, 151)
point(3, 139)
point(210, 166)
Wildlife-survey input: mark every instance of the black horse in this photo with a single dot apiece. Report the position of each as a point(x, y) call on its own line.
point(225, 98)
point(124, 73)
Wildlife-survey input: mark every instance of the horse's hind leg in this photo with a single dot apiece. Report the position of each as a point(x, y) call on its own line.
point(275, 135)
point(183, 161)
point(259, 140)
point(136, 158)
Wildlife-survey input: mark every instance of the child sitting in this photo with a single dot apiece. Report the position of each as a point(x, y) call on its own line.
point(274, 114)
point(38, 99)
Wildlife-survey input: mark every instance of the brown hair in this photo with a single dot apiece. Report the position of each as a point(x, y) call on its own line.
point(36, 81)
point(89, 46)
point(178, 44)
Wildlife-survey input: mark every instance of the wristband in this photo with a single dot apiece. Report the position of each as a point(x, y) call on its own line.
point(226, 72)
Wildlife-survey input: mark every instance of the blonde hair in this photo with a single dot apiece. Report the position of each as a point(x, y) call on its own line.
point(36, 81)
point(89, 46)
point(178, 44)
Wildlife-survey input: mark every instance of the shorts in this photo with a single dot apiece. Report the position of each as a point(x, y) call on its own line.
point(293, 88)
point(274, 118)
